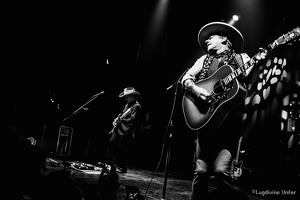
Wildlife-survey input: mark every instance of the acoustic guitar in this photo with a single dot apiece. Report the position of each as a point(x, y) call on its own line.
point(225, 92)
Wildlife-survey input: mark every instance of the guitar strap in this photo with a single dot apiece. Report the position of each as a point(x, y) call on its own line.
point(205, 67)
point(208, 60)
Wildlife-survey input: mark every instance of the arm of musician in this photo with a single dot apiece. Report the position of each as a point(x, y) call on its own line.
point(116, 121)
point(261, 56)
point(188, 80)
point(198, 91)
point(194, 70)
point(131, 117)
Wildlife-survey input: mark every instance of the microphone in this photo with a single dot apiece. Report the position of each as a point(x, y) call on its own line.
point(96, 95)
point(171, 86)
point(101, 92)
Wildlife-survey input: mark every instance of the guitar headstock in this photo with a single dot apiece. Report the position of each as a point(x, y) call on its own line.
point(288, 36)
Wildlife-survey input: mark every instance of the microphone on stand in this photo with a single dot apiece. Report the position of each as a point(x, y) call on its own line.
point(95, 95)
point(178, 81)
point(172, 86)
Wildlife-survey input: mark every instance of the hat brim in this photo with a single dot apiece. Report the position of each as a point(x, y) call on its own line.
point(223, 29)
point(122, 94)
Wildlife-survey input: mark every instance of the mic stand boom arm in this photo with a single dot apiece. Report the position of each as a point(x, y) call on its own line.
point(82, 107)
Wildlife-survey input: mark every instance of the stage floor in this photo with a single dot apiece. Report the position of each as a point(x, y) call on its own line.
point(154, 186)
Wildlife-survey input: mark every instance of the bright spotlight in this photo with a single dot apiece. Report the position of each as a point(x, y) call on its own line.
point(235, 18)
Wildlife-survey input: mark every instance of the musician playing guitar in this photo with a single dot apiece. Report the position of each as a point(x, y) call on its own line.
point(215, 113)
point(124, 127)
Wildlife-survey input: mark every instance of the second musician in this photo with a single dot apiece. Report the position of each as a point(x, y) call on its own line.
point(124, 128)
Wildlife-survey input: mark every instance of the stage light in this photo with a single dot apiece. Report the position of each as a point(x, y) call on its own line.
point(234, 19)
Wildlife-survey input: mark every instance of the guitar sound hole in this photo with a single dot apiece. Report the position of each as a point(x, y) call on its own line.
point(218, 88)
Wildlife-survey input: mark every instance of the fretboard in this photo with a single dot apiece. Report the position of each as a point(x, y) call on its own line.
point(241, 69)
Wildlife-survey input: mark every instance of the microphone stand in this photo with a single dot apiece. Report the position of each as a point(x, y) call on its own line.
point(76, 111)
point(168, 138)
point(169, 132)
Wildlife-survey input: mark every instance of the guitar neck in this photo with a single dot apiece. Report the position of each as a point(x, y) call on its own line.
point(281, 40)
point(240, 70)
point(238, 150)
point(124, 113)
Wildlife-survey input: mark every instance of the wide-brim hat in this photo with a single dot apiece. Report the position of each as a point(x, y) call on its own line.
point(127, 91)
point(223, 29)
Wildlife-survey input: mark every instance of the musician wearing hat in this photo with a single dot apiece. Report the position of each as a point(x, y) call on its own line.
point(124, 128)
point(205, 83)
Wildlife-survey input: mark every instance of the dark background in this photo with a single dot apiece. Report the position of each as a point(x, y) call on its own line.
point(70, 52)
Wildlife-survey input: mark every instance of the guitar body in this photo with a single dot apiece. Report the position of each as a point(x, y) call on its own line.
point(117, 126)
point(236, 164)
point(238, 169)
point(208, 115)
